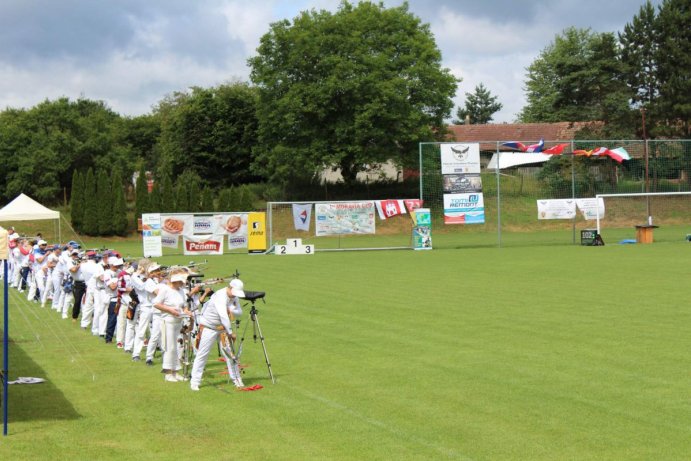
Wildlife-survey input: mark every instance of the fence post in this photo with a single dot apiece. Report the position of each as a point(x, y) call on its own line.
point(498, 198)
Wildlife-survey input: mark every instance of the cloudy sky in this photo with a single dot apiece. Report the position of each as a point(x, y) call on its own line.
point(131, 53)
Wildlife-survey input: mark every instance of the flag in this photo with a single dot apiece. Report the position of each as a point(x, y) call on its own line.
point(555, 150)
point(389, 208)
point(523, 148)
point(413, 204)
point(619, 154)
point(302, 215)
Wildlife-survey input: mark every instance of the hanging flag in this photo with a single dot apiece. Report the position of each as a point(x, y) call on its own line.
point(555, 150)
point(389, 208)
point(302, 215)
point(413, 204)
point(523, 148)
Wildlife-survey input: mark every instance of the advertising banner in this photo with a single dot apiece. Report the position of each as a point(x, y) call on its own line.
point(464, 209)
point(177, 224)
point(556, 209)
point(234, 225)
point(344, 218)
point(170, 241)
point(591, 207)
point(256, 223)
point(202, 244)
point(422, 231)
point(461, 183)
point(151, 235)
point(460, 158)
point(4, 247)
point(389, 208)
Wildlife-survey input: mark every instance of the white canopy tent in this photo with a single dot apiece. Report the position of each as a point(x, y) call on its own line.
point(24, 208)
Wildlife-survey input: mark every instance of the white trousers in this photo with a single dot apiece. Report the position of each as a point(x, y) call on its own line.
point(170, 329)
point(144, 313)
point(121, 324)
point(209, 338)
point(57, 290)
point(88, 307)
point(66, 303)
point(38, 282)
point(155, 338)
point(131, 329)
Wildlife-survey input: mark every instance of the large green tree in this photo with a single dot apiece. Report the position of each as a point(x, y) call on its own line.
point(479, 106)
point(210, 131)
point(347, 89)
point(77, 201)
point(577, 77)
point(91, 204)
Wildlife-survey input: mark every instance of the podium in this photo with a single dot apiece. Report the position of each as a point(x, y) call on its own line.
point(644, 233)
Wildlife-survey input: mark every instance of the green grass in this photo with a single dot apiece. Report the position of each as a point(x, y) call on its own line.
point(470, 351)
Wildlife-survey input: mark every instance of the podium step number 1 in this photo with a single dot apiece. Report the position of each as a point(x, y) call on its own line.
point(294, 247)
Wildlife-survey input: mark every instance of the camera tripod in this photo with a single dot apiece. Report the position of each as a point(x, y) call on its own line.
point(252, 297)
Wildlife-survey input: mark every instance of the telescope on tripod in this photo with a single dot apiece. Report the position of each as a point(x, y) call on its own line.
point(253, 297)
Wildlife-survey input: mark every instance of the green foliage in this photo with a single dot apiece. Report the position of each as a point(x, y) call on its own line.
point(91, 205)
point(207, 201)
point(557, 175)
point(210, 132)
point(155, 198)
point(105, 203)
point(479, 107)
point(119, 222)
point(77, 200)
point(576, 78)
point(141, 195)
point(167, 196)
point(359, 86)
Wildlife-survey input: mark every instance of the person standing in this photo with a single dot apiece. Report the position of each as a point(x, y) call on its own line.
point(170, 300)
point(216, 319)
point(87, 272)
point(110, 280)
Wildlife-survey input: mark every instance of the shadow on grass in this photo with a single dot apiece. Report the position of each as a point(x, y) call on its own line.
point(33, 402)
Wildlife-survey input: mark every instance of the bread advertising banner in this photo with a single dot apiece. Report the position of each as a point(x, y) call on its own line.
point(202, 244)
point(172, 225)
point(234, 225)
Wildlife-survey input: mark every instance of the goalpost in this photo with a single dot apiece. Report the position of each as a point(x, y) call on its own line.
point(651, 208)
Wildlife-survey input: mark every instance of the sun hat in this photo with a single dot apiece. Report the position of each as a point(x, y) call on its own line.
point(153, 268)
point(181, 277)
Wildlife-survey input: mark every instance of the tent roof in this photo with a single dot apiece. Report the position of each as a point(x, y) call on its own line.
point(24, 208)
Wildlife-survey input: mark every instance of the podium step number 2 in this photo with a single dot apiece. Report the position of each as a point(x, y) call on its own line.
point(294, 247)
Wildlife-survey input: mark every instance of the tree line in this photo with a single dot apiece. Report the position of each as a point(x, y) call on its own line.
point(344, 89)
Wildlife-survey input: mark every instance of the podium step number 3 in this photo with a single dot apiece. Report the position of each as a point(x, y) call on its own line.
point(294, 247)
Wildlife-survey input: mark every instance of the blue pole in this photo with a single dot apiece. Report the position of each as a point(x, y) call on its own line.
point(5, 351)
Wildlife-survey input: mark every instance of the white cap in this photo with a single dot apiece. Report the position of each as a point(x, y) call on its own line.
point(179, 277)
point(42, 242)
point(237, 288)
point(74, 252)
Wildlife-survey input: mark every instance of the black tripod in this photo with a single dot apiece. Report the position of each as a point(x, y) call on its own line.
point(252, 297)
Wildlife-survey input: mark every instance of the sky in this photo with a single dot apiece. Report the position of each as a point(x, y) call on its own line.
point(132, 53)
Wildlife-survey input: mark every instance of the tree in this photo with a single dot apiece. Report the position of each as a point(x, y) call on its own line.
point(347, 89)
point(578, 77)
point(479, 106)
point(77, 201)
point(207, 201)
point(91, 205)
point(210, 132)
point(141, 195)
point(155, 198)
point(119, 221)
point(167, 195)
point(105, 203)
point(674, 65)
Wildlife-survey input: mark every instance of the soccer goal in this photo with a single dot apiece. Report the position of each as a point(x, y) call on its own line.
point(641, 209)
point(337, 225)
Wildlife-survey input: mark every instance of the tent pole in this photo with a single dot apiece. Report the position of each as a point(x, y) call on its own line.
point(5, 352)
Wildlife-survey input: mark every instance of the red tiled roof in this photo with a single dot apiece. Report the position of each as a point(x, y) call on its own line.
point(527, 133)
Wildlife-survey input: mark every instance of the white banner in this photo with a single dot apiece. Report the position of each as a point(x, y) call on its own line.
point(234, 224)
point(151, 235)
point(302, 215)
point(464, 208)
point(591, 207)
point(177, 224)
point(344, 218)
point(460, 158)
point(556, 209)
point(203, 244)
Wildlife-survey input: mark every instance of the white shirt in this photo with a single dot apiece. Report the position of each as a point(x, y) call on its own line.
point(171, 298)
point(109, 277)
point(216, 310)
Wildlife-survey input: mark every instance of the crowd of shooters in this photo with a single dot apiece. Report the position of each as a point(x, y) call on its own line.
point(139, 306)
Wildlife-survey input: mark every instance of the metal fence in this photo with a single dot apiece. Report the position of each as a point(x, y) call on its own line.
point(511, 192)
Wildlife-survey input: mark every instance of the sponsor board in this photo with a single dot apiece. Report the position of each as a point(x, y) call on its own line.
point(464, 209)
point(460, 158)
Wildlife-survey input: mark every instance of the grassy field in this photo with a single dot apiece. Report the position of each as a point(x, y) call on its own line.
point(471, 352)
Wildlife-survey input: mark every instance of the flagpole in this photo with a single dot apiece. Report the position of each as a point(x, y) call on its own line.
point(5, 352)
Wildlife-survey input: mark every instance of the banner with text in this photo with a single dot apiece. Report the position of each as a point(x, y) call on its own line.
point(591, 207)
point(556, 209)
point(344, 218)
point(151, 235)
point(202, 244)
point(462, 184)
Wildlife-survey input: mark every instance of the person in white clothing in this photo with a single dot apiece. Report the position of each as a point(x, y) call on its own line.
point(71, 268)
point(87, 271)
point(38, 259)
point(139, 282)
point(59, 276)
point(157, 278)
point(47, 292)
point(216, 319)
point(170, 300)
